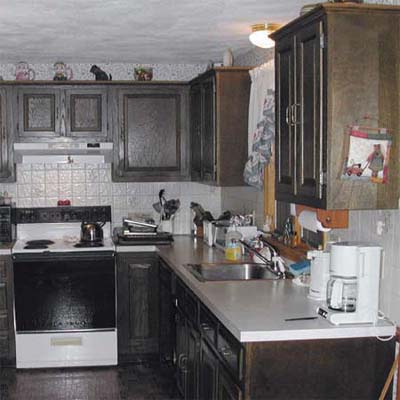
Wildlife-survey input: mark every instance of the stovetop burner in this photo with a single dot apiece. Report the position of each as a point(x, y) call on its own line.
point(38, 244)
point(89, 244)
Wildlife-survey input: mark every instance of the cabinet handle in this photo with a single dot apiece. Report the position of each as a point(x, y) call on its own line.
point(287, 116)
point(184, 367)
point(205, 326)
point(293, 114)
point(225, 351)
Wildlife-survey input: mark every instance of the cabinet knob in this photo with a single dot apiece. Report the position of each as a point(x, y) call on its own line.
point(205, 326)
point(225, 351)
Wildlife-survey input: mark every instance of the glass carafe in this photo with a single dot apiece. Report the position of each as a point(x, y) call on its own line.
point(342, 294)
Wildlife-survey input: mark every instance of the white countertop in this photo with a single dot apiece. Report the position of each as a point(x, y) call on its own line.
point(255, 311)
point(5, 252)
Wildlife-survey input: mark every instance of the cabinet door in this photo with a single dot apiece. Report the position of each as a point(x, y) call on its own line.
point(86, 113)
point(191, 363)
point(208, 373)
point(208, 130)
point(227, 390)
point(38, 112)
point(152, 140)
point(195, 132)
point(166, 314)
point(138, 307)
point(180, 352)
point(5, 167)
point(285, 141)
point(309, 84)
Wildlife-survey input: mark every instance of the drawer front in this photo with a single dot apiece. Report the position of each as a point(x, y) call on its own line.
point(3, 320)
point(231, 352)
point(191, 307)
point(165, 275)
point(4, 345)
point(180, 294)
point(3, 271)
point(3, 297)
point(208, 325)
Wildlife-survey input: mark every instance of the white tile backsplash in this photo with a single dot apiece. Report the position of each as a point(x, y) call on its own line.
point(42, 185)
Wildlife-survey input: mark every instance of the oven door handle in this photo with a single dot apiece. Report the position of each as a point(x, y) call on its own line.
point(66, 256)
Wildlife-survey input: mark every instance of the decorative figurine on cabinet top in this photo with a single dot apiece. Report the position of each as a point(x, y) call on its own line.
point(62, 71)
point(143, 74)
point(100, 74)
point(23, 72)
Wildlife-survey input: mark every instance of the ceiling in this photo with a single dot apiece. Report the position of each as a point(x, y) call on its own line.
point(145, 31)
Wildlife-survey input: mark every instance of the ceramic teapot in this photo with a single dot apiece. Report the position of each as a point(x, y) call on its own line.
point(23, 72)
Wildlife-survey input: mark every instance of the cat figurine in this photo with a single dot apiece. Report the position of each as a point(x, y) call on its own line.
point(100, 74)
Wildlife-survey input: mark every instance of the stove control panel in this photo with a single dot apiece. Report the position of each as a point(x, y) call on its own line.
point(63, 214)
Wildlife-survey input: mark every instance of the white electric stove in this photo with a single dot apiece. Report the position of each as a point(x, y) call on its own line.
point(65, 295)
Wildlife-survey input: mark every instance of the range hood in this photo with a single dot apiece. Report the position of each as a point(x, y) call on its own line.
point(65, 153)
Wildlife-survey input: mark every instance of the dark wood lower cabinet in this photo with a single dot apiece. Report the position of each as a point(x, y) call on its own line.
point(208, 373)
point(7, 341)
point(212, 364)
point(138, 306)
point(227, 390)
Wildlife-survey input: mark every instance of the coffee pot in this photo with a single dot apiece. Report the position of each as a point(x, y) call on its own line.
point(353, 287)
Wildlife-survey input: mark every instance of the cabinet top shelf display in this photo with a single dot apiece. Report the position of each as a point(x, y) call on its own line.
point(334, 65)
point(90, 82)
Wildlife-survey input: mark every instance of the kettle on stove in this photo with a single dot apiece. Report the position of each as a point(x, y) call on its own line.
point(92, 232)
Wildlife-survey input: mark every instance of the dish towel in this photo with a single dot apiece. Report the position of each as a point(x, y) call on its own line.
point(261, 133)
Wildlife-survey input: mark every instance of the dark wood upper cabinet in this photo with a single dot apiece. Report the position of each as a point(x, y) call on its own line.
point(86, 113)
point(219, 124)
point(151, 139)
point(51, 113)
point(334, 65)
point(195, 132)
point(285, 139)
point(7, 334)
point(38, 112)
point(7, 172)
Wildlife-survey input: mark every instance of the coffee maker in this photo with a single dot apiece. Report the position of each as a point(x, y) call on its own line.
point(353, 287)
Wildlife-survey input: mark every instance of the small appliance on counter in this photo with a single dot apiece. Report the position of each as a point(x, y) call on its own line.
point(136, 233)
point(353, 287)
point(319, 272)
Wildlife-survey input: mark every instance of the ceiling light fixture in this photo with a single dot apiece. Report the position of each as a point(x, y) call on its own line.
point(260, 32)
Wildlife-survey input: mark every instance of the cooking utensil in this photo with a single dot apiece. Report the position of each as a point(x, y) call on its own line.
point(92, 232)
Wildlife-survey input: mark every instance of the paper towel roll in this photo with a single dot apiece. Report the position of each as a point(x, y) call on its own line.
point(308, 219)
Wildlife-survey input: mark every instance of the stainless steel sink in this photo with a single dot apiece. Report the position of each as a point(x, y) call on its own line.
point(230, 272)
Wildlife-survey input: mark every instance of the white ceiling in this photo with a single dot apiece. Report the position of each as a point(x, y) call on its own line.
point(145, 31)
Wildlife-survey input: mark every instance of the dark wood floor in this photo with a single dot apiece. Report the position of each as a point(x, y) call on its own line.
point(134, 382)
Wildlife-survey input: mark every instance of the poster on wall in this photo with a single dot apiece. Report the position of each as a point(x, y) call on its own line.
point(367, 154)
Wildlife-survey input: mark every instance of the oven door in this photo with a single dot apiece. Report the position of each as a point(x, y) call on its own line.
point(59, 292)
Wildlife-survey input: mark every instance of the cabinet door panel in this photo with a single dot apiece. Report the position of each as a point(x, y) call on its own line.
point(208, 374)
point(227, 390)
point(152, 139)
point(208, 130)
point(180, 352)
point(195, 132)
point(309, 129)
point(138, 307)
point(87, 113)
point(38, 111)
point(191, 363)
point(5, 168)
point(3, 297)
point(285, 128)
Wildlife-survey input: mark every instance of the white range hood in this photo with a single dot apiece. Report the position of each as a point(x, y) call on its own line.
point(65, 153)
